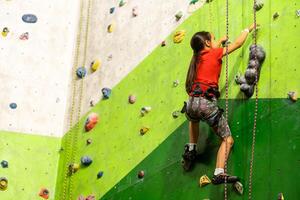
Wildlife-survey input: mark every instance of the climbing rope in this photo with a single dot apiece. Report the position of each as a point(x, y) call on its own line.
point(256, 105)
point(226, 95)
point(72, 135)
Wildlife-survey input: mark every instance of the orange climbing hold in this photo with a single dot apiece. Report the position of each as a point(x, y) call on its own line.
point(44, 193)
point(91, 121)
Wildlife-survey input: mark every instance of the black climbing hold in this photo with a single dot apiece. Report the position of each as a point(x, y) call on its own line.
point(81, 72)
point(112, 10)
point(141, 174)
point(3, 183)
point(13, 105)
point(100, 174)
point(29, 18)
point(275, 16)
point(4, 164)
point(258, 6)
point(106, 92)
point(86, 161)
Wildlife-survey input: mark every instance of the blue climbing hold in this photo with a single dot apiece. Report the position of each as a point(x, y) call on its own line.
point(100, 174)
point(112, 10)
point(4, 164)
point(13, 105)
point(81, 72)
point(106, 93)
point(29, 18)
point(86, 161)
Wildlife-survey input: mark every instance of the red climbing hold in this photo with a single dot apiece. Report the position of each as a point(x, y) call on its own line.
point(44, 193)
point(91, 121)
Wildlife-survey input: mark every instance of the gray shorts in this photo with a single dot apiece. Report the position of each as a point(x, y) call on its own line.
point(202, 109)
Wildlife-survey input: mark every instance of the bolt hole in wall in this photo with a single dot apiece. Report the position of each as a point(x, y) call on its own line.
point(141, 99)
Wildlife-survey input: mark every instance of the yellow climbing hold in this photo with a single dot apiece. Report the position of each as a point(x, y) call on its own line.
point(204, 180)
point(3, 183)
point(179, 36)
point(111, 28)
point(5, 31)
point(73, 167)
point(95, 65)
point(144, 130)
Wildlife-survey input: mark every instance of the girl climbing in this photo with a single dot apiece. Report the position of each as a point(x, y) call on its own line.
point(202, 83)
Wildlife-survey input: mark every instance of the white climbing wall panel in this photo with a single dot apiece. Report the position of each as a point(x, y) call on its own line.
point(132, 40)
point(35, 73)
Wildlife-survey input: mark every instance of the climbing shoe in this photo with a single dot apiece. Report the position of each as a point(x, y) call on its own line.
point(188, 158)
point(220, 179)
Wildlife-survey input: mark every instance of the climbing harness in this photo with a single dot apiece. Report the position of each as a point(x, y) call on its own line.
point(209, 93)
point(256, 105)
point(72, 135)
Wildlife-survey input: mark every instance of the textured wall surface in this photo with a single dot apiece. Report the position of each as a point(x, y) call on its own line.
point(35, 73)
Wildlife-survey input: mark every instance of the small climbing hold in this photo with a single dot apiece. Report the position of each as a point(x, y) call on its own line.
point(141, 174)
point(258, 5)
point(90, 197)
point(106, 92)
point(144, 130)
point(92, 104)
point(298, 13)
point(179, 15)
point(275, 16)
point(91, 121)
point(112, 10)
point(193, 1)
point(122, 3)
point(3, 183)
point(89, 141)
point(163, 43)
point(4, 164)
point(132, 99)
point(195, 5)
point(145, 110)
point(44, 193)
point(176, 114)
point(238, 186)
point(100, 174)
point(73, 168)
point(109, 58)
point(204, 180)
point(293, 96)
point(135, 11)
point(179, 36)
point(111, 28)
point(86, 161)
point(29, 18)
point(81, 72)
point(24, 36)
point(95, 65)
point(280, 196)
point(5, 32)
point(13, 105)
point(175, 83)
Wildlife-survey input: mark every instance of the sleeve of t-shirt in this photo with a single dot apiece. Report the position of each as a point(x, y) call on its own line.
point(218, 52)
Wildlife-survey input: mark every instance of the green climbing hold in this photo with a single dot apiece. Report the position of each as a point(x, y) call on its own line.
point(122, 3)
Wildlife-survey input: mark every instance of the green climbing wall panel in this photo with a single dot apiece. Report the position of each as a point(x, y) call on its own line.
point(33, 162)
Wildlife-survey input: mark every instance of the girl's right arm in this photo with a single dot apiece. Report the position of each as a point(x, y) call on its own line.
point(239, 41)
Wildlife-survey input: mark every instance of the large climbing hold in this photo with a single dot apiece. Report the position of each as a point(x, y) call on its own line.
point(91, 121)
point(238, 186)
point(95, 65)
point(106, 92)
point(179, 36)
point(81, 72)
point(4, 32)
point(44, 193)
point(29, 18)
point(4, 164)
point(259, 5)
point(248, 81)
point(204, 180)
point(86, 161)
point(3, 183)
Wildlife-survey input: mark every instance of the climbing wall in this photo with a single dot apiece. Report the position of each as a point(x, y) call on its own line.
point(120, 152)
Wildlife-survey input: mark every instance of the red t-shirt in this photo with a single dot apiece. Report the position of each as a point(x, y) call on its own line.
point(209, 68)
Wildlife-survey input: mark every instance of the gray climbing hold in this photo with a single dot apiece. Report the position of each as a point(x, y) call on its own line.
point(176, 114)
point(29, 18)
point(112, 10)
point(13, 105)
point(298, 13)
point(4, 164)
point(100, 174)
point(86, 161)
point(106, 92)
point(175, 83)
point(81, 72)
point(179, 15)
